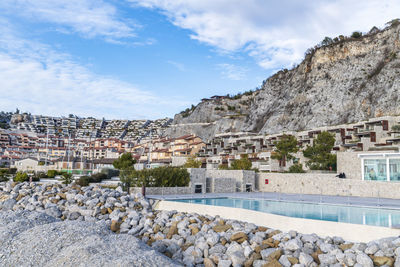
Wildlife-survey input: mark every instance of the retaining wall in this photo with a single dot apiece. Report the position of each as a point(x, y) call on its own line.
point(326, 184)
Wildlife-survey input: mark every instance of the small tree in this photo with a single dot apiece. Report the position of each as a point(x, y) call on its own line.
point(356, 34)
point(241, 164)
point(393, 23)
point(320, 152)
point(125, 164)
point(66, 178)
point(396, 128)
point(192, 163)
point(125, 161)
point(284, 149)
point(327, 41)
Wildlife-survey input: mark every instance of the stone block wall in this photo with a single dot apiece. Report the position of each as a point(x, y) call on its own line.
point(162, 190)
point(326, 184)
point(197, 176)
point(224, 185)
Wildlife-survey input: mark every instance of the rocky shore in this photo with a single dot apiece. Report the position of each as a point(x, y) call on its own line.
point(45, 220)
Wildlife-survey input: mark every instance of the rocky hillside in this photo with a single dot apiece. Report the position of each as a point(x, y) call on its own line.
point(347, 80)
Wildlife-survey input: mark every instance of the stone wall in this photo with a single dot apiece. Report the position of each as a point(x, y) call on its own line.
point(326, 184)
point(162, 190)
point(197, 176)
point(224, 185)
point(240, 177)
point(350, 164)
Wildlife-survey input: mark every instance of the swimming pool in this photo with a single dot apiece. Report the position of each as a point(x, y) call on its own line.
point(326, 212)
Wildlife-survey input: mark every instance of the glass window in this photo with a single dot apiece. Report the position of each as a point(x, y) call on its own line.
point(375, 169)
point(394, 169)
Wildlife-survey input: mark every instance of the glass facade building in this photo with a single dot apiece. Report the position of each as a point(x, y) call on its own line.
point(381, 167)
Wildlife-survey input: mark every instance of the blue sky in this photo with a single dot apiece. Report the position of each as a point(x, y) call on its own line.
point(138, 59)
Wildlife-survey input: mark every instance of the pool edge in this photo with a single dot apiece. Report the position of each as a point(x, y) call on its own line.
point(348, 231)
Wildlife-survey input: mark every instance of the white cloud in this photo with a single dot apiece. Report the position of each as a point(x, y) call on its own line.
point(89, 18)
point(232, 72)
point(178, 65)
point(276, 34)
point(36, 78)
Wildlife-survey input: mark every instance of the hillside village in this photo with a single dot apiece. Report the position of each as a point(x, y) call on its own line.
point(89, 145)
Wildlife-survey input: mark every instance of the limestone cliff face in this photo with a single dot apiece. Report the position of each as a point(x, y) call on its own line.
point(348, 81)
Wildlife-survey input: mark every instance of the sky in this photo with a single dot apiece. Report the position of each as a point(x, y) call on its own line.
point(148, 59)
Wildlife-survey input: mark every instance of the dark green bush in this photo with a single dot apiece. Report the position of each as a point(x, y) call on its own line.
point(3, 178)
point(21, 177)
point(162, 176)
point(83, 181)
point(41, 175)
point(110, 172)
point(98, 177)
point(296, 168)
point(52, 173)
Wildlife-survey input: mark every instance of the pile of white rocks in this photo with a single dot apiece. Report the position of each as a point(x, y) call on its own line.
point(193, 239)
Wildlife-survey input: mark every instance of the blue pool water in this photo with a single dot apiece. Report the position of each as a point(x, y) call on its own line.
point(327, 212)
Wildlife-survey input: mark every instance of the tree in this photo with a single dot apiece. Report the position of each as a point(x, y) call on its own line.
point(284, 149)
point(327, 41)
point(192, 163)
point(125, 161)
point(320, 154)
point(393, 23)
point(241, 164)
point(356, 34)
point(125, 164)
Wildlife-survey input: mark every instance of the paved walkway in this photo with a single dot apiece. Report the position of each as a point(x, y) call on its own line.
point(320, 199)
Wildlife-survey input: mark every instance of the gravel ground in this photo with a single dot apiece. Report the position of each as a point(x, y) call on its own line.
point(48, 225)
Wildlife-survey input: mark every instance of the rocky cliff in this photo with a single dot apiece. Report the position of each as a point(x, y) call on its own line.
point(348, 80)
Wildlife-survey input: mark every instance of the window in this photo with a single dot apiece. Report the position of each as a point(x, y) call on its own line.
point(248, 187)
point(198, 189)
point(394, 169)
point(375, 169)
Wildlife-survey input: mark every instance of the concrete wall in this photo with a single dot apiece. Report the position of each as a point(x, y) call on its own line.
point(348, 231)
point(326, 184)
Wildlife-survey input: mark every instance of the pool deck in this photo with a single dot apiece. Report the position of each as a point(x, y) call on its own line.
point(385, 203)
